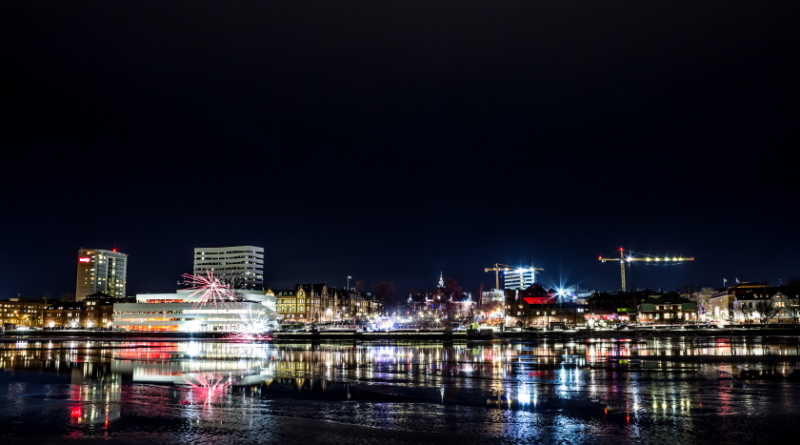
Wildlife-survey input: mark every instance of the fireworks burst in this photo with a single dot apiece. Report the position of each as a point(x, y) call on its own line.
point(207, 387)
point(209, 382)
point(210, 289)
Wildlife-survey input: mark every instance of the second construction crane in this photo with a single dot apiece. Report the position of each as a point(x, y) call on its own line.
point(647, 258)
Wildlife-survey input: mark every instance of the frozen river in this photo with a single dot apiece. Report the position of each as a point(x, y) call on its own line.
point(679, 391)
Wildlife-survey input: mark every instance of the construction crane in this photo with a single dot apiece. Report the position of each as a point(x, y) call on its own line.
point(497, 269)
point(504, 268)
point(648, 259)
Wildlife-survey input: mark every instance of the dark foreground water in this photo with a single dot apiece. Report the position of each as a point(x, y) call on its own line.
point(682, 391)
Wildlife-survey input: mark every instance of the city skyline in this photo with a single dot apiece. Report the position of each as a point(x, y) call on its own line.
point(607, 274)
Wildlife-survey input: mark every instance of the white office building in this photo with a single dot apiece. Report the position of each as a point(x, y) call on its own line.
point(521, 278)
point(180, 312)
point(237, 262)
point(101, 271)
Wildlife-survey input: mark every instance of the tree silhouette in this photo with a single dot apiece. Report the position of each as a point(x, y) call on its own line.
point(361, 287)
point(765, 311)
point(385, 293)
point(452, 289)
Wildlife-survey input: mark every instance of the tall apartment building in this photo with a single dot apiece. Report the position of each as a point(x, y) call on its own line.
point(104, 271)
point(518, 279)
point(245, 262)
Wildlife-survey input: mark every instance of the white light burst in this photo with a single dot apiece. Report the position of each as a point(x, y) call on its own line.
point(210, 289)
point(254, 322)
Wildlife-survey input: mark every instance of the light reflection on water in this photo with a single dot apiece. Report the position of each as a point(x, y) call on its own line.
point(659, 389)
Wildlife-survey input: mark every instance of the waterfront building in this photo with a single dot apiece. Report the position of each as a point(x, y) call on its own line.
point(104, 271)
point(351, 304)
point(64, 314)
point(720, 306)
point(244, 263)
point(185, 296)
point(767, 305)
point(657, 309)
point(441, 304)
point(94, 311)
point(317, 302)
point(180, 312)
point(21, 312)
point(184, 317)
point(306, 302)
point(536, 306)
point(611, 307)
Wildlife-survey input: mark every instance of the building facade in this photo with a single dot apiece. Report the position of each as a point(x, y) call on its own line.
point(244, 263)
point(16, 312)
point(64, 314)
point(104, 271)
point(182, 311)
point(184, 317)
point(319, 303)
point(768, 305)
point(611, 307)
point(519, 279)
point(94, 311)
point(543, 312)
point(719, 306)
point(663, 309)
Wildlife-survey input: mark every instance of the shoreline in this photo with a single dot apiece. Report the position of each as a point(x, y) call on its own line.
point(632, 335)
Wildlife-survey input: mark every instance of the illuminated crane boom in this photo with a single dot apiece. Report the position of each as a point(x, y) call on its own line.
point(497, 269)
point(650, 259)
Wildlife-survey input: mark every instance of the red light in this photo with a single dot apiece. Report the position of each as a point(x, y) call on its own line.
point(113, 250)
point(620, 249)
point(85, 259)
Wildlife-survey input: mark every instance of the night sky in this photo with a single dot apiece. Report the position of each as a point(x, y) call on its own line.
point(392, 140)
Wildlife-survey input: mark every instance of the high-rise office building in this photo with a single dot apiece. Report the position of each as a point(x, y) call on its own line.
point(519, 278)
point(103, 271)
point(244, 262)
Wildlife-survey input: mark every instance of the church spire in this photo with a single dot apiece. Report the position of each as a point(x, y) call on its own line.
point(441, 280)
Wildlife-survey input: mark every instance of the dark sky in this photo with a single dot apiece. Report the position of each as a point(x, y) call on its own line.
point(389, 140)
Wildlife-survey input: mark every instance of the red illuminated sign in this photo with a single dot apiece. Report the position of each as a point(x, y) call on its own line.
point(85, 259)
point(535, 300)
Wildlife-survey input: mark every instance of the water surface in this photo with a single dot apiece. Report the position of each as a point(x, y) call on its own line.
point(691, 390)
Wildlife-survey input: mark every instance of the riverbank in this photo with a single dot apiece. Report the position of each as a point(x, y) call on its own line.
point(641, 334)
point(627, 334)
point(279, 336)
